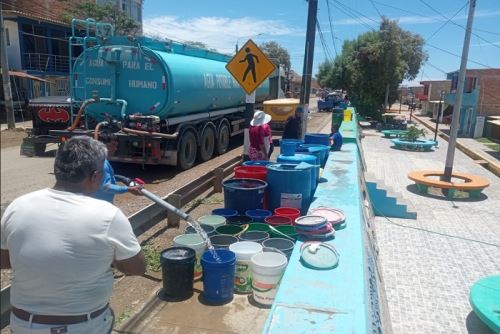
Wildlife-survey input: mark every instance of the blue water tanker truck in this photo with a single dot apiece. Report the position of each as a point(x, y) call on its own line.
point(167, 102)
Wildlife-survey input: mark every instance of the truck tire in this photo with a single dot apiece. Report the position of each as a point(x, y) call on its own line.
point(39, 149)
point(187, 150)
point(222, 138)
point(207, 144)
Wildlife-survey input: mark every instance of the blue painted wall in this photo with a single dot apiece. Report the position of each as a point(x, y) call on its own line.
point(342, 299)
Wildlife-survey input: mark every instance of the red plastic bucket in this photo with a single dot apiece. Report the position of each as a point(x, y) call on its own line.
point(250, 172)
point(278, 220)
point(292, 213)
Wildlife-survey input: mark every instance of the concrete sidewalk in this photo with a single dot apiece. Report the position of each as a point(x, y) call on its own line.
point(429, 264)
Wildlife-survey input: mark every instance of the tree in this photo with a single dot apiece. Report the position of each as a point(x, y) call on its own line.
point(108, 12)
point(372, 66)
point(276, 53)
point(200, 45)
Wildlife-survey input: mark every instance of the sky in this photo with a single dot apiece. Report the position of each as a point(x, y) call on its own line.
point(221, 24)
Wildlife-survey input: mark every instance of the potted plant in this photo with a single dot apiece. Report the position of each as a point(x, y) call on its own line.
point(413, 133)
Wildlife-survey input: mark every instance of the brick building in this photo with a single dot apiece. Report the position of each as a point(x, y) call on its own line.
point(481, 99)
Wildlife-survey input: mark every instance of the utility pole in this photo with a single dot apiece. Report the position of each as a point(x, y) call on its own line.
point(308, 63)
point(7, 90)
point(412, 107)
point(438, 115)
point(448, 169)
point(400, 98)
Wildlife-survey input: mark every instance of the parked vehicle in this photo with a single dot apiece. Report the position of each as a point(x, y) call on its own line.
point(329, 102)
point(168, 103)
point(47, 113)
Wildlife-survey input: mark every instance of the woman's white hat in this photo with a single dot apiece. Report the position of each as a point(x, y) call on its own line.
point(260, 118)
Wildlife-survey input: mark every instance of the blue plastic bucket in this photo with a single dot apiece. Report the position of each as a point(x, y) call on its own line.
point(258, 215)
point(324, 150)
point(317, 138)
point(218, 277)
point(298, 158)
point(225, 212)
point(244, 194)
point(257, 163)
point(288, 148)
point(289, 186)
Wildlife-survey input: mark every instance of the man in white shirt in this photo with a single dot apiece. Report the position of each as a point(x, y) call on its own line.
point(61, 244)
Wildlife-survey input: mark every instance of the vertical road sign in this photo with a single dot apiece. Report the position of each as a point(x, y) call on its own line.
point(250, 67)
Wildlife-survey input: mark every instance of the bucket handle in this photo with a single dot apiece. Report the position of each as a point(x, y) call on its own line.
point(245, 228)
point(281, 233)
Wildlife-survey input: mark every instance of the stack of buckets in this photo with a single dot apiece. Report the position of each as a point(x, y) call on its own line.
point(286, 189)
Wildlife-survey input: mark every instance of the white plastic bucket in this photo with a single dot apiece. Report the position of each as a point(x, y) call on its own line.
point(212, 220)
point(267, 270)
point(244, 251)
point(197, 243)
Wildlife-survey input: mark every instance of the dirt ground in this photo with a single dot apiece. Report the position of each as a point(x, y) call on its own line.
point(13, 137)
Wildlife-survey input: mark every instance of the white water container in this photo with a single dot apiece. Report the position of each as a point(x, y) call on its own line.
point(244, 251)
point(267, 270)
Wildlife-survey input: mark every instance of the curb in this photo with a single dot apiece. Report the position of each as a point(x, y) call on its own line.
point(490, 164)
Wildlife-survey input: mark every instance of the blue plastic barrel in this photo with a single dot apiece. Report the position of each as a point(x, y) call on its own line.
point(218, 276)
point(257, 163)
point(225, 212)
point(289, 186)
point(244, 194)
point(297, 142)
point(325, 151)
point(317, 138)
point(312, 151)
point(298, 158)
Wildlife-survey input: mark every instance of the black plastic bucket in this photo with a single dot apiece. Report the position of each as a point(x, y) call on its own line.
point(177, 265)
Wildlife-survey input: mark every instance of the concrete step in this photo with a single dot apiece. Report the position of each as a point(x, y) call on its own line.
point(388, 202)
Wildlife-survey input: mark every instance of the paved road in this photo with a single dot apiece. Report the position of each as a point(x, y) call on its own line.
point(429, 264)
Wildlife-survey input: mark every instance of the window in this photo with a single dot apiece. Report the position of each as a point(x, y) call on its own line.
point(7, 38)
point(454, 83)
point(426, 89)
point(470, 84)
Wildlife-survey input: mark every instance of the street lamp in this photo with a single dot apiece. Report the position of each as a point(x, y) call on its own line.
point(237, 40)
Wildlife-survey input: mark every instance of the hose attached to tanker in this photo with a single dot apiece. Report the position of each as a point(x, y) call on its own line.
point(80, 113)
point(97, 128)
point(150, 134)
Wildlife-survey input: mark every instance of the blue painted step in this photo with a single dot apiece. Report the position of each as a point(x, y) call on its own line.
point(385, 205)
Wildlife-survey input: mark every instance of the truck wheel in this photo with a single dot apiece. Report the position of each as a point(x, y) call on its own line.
point(222, 139)
point(39, 148)
point(207, 144)
point(187, 150)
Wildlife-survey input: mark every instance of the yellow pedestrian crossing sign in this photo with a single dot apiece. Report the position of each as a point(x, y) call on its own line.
point(250, 67)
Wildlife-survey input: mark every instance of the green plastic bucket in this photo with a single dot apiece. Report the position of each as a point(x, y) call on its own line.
point(229, 229)
point(287, 230)
point(258, 227)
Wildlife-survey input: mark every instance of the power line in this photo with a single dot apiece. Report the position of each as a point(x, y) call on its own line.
point(357, 12)
point(331, 27)
point(454, 54)
point(420, 14)
point(357, 19)
point(447, 21)
point(373, 4)
point(323, 42)
point(458, 25)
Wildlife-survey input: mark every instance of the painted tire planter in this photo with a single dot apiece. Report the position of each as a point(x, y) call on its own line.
point(417, 145)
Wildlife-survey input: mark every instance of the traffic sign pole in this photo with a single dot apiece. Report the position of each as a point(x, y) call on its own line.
point(249, 111)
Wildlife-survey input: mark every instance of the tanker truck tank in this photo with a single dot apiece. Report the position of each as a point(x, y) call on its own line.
point(156, 79)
